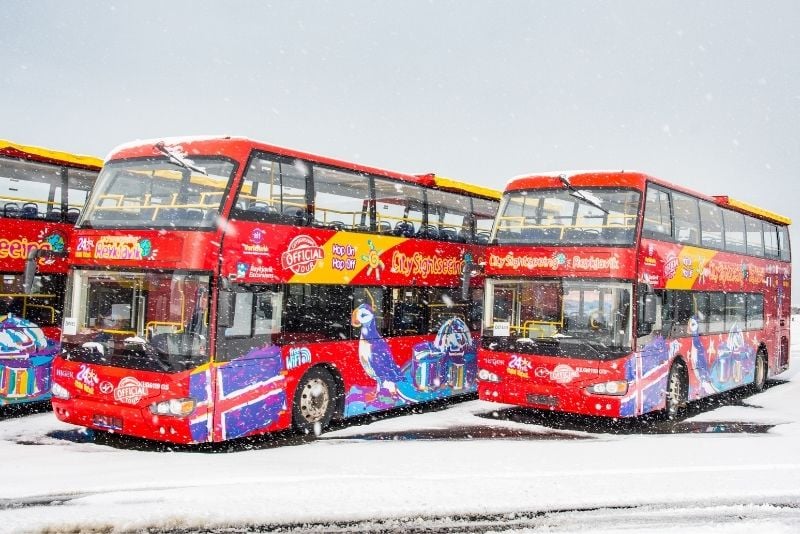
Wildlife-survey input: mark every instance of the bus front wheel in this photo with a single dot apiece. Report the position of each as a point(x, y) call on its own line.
point(313, 405)
point(760, 373)
point(676, 391)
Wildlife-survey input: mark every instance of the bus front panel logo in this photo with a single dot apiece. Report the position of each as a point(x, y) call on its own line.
point(302, 255)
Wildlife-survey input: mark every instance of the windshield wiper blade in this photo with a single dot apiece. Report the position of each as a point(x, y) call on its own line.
point(178, 159)
point(579, 195)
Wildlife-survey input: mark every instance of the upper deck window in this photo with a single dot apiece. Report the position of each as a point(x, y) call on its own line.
point(687, 219)
point(596, 216)
point(657, 219)
point(399, 207)
point(711, 225)
point(448, 217)
point(158, 193)
point(734, 231)
point(30, 190)
point(341, 199)
point(484, 212)
point(274, 188)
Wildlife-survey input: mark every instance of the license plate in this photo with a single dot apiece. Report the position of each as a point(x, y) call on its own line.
point(108, 422)
point(545, 400)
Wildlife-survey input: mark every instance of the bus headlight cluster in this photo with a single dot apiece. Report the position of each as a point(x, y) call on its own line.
point(615, 387)
point(173, 407)
point(488, 376)
point(59, 391)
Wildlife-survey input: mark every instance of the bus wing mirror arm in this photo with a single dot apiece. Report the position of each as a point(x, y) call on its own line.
point(30, 266)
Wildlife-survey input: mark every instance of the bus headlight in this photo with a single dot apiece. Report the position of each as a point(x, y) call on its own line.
point(174, 407)
point(59, 391)
point(614, 387)
point(487, 376)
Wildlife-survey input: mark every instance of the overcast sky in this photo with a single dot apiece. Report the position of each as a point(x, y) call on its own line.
point(702, 93)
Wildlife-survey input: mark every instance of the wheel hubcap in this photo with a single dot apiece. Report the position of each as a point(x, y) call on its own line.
point(314, 400)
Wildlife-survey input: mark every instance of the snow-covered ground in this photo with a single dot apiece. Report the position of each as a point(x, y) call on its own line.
point(471, 467)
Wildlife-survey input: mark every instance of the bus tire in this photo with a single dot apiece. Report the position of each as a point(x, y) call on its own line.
point(314, 401)
point(759, 372)
point(676, 392)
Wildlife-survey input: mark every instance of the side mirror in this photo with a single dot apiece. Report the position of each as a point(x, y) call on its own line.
point(30, 266)
point(226, 308)
point(648, 309)
point(649, 315)
point(466, 275)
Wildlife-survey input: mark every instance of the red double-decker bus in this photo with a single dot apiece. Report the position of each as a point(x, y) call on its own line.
point(222, 287)
point(617, 294)
point(41, 194)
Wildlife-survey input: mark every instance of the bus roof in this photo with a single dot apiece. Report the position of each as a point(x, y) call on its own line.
point(48, 156)
point(636, 180)
point(450, 184)
point(239, 148)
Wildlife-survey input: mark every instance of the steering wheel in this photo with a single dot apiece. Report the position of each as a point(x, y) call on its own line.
point(597, 321)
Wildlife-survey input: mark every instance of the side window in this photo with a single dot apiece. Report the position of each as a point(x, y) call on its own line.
point(771, 249)
point(711, 225)
point(341, 200)
point(657, 212)
point(317, 312)
point(273, 189)
point(735, 315)
point(484, 212)
point(243, 318)
point(734, 231)
point(783, 243)
point(716, 313)
point(268, 308)
point(701, 301)
point(755, 311)
point(446, 304)
point(755, 244)
point(398, 207)
point(687, 220)
point(408, 311)
point(448, 217)
point(369, 302)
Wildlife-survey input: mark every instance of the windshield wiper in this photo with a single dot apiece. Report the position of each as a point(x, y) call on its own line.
point(579, 195)
point(178, 159)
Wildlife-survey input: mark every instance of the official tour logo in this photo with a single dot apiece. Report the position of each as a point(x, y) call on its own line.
point(302, 255)
point(129, 390)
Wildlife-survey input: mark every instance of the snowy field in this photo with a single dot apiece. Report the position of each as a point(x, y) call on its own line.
point(731, 466)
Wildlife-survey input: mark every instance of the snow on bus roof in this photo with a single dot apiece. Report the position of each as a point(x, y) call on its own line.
point(177, 140)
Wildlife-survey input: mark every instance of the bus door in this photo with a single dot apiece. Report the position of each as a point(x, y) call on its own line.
point(250, 375)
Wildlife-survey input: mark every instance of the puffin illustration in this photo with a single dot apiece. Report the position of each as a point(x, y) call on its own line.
point(374, 352)
point(699, 357)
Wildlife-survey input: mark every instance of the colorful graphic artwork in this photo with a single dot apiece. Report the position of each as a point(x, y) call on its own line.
point(717, 363)
point(437, 369)
point(25, 358)
point(250, 395)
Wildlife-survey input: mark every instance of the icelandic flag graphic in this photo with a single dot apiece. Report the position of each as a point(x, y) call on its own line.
point(251, 393)
point(200, 390)
point(646, 373)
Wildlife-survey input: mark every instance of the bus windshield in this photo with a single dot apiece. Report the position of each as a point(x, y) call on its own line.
point(592, 216)
point(158, 193)
point(575, 318)
point(149, 321)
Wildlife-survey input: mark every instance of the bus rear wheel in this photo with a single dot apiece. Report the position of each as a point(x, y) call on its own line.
point(676, 392)
point(313, 406)
point(760, 373)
